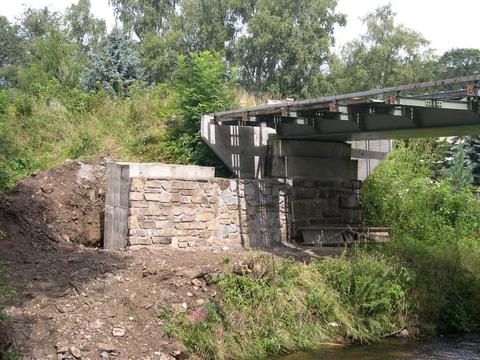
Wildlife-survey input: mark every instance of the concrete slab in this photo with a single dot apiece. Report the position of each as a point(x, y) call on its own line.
point(168, 171)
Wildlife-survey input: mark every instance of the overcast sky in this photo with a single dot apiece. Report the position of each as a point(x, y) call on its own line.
point(446, 24)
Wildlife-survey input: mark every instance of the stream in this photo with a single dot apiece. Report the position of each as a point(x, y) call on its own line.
point(459, 347)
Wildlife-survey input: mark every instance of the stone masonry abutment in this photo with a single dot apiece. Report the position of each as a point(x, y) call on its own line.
point(187, 207)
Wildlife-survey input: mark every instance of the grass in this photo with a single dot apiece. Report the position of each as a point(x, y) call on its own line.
point(288, 306)
point(52, 131)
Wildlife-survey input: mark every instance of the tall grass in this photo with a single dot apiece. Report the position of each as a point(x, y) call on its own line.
point(288, 306)
point(52, 130)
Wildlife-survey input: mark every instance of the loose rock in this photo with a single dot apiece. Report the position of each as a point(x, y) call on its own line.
point(77, 354)
point(118, 332)
point(198, 283)
point(105, 347)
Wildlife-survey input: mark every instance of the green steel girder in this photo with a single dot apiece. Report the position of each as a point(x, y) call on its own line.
point(358, 117)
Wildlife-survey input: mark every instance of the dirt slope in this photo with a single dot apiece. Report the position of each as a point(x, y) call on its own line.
point(77, 300)
point(63, 204)
point(74, 298)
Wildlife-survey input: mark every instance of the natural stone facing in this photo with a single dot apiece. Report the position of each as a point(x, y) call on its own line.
point(215, 212)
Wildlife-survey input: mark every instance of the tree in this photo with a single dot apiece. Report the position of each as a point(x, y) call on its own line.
point(209, 25)
point(51, 64)
point(195, 25)
point(280, 46)
point(116, 65)
point(459, 173)
point(159, 55)
point(145, 16)
point(286, 44)
point(11, 44)
point(456, 63)
point(36, 23)
point(203, 85)
point(12, 51)
point(460, 62)
point(386, 55)
point(82, 27)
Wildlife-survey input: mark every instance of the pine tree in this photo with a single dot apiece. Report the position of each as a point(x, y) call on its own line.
point(116, 65)
point(459, 173)
point(471, 148)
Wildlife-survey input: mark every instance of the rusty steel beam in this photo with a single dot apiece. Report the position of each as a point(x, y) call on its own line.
point(328, 100)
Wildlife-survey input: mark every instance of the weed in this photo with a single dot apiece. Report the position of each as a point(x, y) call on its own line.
point(290, 306)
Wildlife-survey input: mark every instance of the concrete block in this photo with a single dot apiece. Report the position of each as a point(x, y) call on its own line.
point(116, 206)
point(305, 148)
point(312, 168)
point(167, 171)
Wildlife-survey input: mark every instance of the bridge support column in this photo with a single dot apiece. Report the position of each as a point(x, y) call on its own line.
point(310, 160)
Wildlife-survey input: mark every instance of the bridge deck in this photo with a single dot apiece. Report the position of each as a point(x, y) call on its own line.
point(375, 114)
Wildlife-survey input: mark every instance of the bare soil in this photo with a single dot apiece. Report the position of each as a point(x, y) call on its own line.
point(75, 296)
point(77, 301)
point(62, 204)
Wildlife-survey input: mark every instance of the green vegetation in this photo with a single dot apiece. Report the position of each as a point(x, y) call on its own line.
point(435, 231)
point(285, 306)
point(154, 123)
point(427, 277)
point(70, 90)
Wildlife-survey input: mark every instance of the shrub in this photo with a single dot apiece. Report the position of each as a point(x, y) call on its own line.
point(202, 85)
point(435, 229)
point(23, 106)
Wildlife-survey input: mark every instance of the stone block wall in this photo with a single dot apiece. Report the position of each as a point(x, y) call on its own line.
point(248, 212)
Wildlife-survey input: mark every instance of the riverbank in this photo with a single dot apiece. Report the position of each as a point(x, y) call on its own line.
point(231, 303)
point(151, 303)
point(452, 347)
point(270, 306)
point(426, 279)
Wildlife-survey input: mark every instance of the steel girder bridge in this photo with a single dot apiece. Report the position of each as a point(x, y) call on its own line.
point(390, 113)
point(318, 139)
point(265, 140)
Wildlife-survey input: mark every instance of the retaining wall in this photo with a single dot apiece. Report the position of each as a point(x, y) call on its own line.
point(194, 209)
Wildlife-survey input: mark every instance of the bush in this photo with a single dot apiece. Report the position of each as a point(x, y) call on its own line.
point(435, 229)
point(23, 106)
point(202, 86)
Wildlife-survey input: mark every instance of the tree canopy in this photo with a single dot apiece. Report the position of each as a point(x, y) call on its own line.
point(196, 56)
point(387, 54)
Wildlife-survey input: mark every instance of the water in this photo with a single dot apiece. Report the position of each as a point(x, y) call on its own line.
point(465, 347)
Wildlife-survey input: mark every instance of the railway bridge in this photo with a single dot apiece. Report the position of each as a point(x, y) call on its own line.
point(324, 140)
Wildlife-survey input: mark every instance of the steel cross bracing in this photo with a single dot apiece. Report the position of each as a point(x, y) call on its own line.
point(375, 114)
